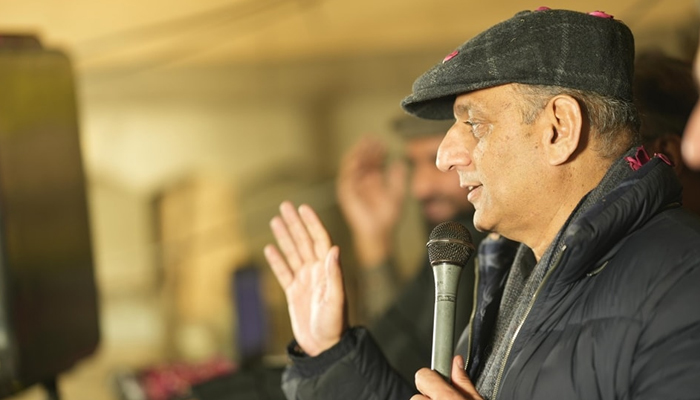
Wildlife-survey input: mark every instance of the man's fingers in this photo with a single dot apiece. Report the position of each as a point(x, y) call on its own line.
point(430, 383)
point(461, 381)
point(335, 291)
point(298, 232)
point(367, 156)
point(300, 235)
point(284, 274)
point(286, 243)
point(354, 161)
point(319, 235)
point(398, 173)
point(319, 283)
point(433, 386)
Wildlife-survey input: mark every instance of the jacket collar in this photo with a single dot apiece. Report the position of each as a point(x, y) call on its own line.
point(591, 238)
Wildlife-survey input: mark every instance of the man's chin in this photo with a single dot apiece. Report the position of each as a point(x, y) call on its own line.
point(480, 223)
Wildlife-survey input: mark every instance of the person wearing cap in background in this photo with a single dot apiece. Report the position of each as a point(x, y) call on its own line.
point(665, 95)
point(599, 302)
point(371, 194)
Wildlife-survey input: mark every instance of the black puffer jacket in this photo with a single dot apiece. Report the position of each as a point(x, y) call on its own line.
point(617, 317)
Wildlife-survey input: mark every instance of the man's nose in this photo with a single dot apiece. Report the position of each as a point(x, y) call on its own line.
point(454, 151)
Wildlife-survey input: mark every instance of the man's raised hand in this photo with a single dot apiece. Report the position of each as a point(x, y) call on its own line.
point(307, 267)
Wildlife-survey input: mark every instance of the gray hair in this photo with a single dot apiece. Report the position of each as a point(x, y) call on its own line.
point(614, 121)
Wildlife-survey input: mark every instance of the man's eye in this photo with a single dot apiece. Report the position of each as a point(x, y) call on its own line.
point(476, 128)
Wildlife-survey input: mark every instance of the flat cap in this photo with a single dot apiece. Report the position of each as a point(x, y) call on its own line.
point(591, 52)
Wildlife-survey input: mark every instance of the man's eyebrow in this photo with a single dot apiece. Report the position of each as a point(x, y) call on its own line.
point(464, 108)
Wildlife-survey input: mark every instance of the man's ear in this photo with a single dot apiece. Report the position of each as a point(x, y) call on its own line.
point(562, 137)
point(669, 145)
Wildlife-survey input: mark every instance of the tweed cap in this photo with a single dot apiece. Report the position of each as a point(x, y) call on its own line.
point(591, 52)
point(409, 127)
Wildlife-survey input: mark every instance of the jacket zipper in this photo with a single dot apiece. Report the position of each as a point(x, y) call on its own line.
point(471, 317)
point(497, 386)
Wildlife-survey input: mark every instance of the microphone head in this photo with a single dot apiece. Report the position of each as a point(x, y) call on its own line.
point(450, 243)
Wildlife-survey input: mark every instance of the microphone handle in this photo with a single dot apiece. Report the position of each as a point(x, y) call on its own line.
point(446, 283)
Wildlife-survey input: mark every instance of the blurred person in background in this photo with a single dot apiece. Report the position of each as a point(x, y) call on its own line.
point(691, 139)
point(371, 193)
point(665, 95)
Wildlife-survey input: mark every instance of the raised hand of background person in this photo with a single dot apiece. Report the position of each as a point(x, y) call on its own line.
point(307, 266)
point(433, 386)
point(371, 194)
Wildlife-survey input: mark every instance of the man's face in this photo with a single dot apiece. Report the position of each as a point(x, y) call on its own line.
point(495, 156)
point(439, 193)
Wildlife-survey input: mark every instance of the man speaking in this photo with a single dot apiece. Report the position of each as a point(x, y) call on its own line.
point(600, 301)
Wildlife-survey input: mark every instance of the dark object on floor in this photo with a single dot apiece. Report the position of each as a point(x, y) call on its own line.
point(258, 383)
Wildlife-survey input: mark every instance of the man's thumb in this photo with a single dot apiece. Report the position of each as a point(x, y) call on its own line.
point(461, 381)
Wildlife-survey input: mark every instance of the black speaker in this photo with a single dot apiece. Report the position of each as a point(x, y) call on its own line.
point(48, 298)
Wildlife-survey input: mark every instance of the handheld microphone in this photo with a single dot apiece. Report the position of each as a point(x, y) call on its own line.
point(449, 249)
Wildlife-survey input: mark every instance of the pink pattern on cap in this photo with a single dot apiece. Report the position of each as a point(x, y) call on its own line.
point(601, 14)
point(450, 56)
point(542, 8)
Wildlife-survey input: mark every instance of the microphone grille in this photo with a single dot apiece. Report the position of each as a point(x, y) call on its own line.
point(450, 243)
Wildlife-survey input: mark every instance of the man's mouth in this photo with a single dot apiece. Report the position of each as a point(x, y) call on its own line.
point(473, 192)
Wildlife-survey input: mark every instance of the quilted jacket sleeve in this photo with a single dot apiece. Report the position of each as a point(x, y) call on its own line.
point(353, 369)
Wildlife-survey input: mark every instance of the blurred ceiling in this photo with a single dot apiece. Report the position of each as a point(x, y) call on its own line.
point(109, 34)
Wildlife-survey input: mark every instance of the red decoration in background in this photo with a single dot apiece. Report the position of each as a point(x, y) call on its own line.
point(167, 381)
